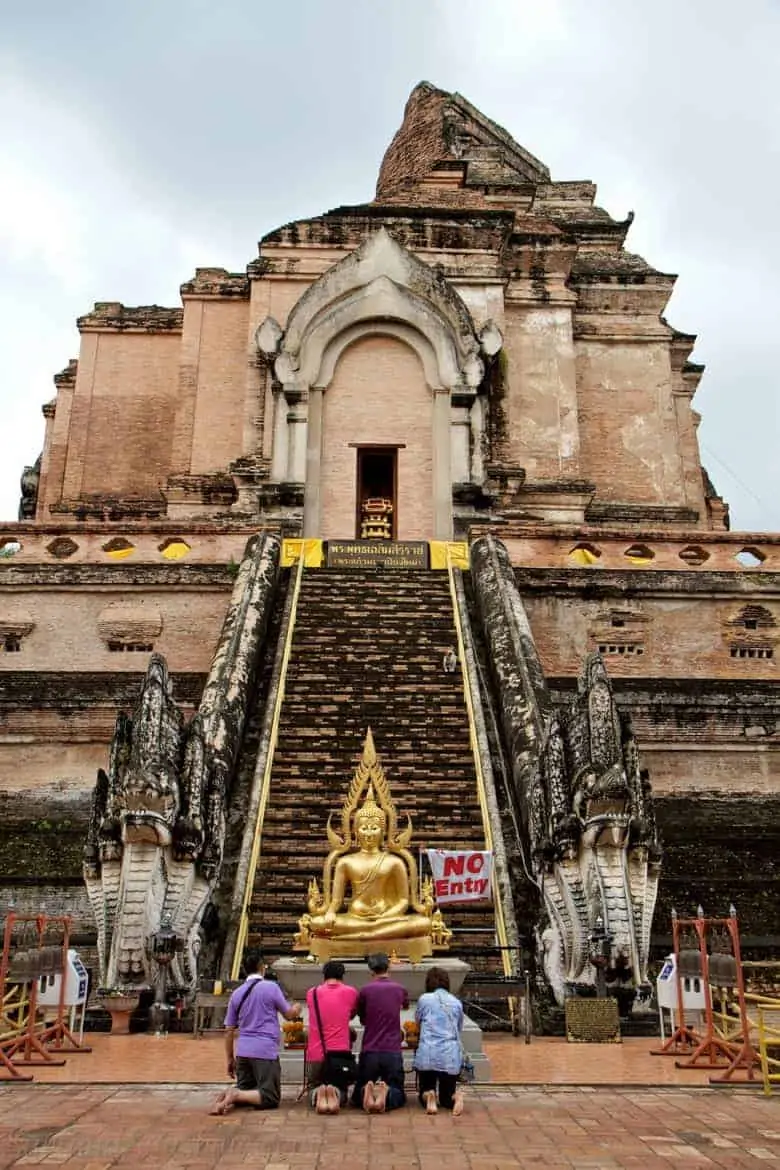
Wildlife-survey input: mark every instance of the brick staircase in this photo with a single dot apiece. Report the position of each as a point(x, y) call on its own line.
point(367, 651)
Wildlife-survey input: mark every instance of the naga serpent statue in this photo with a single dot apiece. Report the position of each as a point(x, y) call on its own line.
point(585, 808)
point(593, 836)
point(154, 842)
point(157, 831)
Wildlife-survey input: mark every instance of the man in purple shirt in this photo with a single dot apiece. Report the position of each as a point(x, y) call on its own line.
point(252, 1039)
point(380, 1078)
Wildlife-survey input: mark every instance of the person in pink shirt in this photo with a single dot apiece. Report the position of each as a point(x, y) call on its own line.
point(329, 1061)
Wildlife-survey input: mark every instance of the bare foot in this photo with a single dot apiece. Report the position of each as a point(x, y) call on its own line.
point(333, 1098)
point(430, 1102)
point(321, 1101)
point(380, 1096)
point(224, 1103)
point(457, 1103)
point(369, 1098)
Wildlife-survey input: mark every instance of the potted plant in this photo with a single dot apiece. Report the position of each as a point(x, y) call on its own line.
point(120, 1004)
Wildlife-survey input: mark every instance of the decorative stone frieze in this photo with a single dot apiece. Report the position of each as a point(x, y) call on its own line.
point(15, 624)
point(752, 633)
point(124, 624)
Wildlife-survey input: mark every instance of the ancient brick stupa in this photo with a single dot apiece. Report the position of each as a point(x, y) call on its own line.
point(470, 369)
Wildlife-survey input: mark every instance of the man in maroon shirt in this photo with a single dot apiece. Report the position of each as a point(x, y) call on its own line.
point(380, 1078)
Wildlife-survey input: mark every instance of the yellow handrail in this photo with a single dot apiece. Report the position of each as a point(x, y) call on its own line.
point(769, 1037)
point(254, 857)
point(481, 792)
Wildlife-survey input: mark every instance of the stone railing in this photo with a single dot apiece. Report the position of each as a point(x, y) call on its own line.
point(558, 547)
point(111, 543)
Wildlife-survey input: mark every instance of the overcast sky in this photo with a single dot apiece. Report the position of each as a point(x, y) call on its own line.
point(140, 140)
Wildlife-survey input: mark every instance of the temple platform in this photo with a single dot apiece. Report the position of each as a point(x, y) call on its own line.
point(297, 975)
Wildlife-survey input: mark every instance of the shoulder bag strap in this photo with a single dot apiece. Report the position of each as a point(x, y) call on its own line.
point(319, 1021)
point(252, 984)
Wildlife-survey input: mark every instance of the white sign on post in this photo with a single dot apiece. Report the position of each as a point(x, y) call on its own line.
point(461, 876)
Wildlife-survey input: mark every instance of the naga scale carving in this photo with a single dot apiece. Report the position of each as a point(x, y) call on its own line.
point(594, 842)
point(154, 842)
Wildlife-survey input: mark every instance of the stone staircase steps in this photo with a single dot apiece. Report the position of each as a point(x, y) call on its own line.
point(367, 651)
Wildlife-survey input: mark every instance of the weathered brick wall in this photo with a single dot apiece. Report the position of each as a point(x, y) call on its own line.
point(378, 395)
point(65, 636)
point(697, 736)
point(56, 446)
point(719, 850)
point(126, 381)
point(690, 457)
point(221, 377)
point(541, 398)
point(62, 763)
point(41, 842)
point(628, 428)
point(748, 766)
point(56, 726)
point(417, 145)
point(681, 637)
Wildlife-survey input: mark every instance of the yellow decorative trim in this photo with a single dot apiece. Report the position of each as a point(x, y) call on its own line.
point(450, 552)
point(175, 550)
point(313, 553)
point(254, 857)
point(768, 1040)
point(498, 908)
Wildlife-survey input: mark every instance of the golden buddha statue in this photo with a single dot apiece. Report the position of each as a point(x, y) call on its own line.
point(370, 859)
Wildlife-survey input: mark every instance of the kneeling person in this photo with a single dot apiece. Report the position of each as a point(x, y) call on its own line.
point(252, 1039)
point(330, 1064)
point(380, 1079)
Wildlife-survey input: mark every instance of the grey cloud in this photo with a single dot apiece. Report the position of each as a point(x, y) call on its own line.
point(218, 122)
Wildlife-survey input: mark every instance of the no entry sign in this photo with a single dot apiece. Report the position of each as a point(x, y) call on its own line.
point(462, 876)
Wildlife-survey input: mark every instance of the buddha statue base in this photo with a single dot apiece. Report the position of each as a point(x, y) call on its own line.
point(323, 948)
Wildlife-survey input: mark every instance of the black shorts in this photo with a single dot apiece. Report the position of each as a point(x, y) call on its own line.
point(263, 1075)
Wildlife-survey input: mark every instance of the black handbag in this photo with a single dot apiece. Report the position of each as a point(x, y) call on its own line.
point(338, 1068)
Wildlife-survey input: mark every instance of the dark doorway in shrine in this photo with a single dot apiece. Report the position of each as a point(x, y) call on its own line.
point(377, 479)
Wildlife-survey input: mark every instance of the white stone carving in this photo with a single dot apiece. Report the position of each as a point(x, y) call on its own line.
point(268, 337)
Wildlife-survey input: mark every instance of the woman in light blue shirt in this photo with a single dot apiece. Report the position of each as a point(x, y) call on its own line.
point(439, 1053)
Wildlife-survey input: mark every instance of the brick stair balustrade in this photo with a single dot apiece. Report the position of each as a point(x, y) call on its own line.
point(367, 652)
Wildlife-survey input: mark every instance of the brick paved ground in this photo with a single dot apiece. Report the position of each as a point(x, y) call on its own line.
point(546, 1061)
point(127, 1128)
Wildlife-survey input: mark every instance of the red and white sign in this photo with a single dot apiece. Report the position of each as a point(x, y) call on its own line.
point(462, 876)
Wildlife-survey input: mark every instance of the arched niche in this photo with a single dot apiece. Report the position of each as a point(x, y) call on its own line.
point(381, 289)
point(372, 328)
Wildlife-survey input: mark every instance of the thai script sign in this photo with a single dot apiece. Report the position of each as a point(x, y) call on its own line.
point(377, 554)
point(461, 876)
